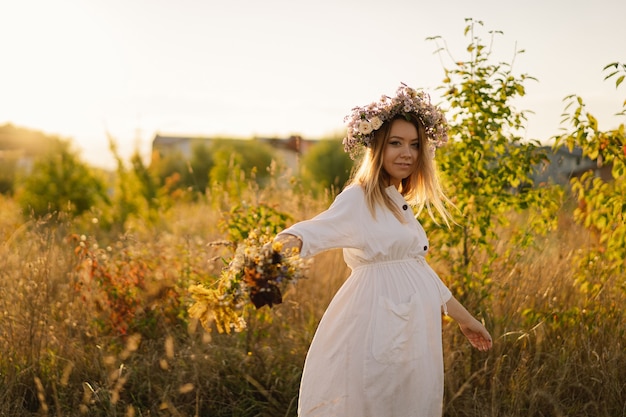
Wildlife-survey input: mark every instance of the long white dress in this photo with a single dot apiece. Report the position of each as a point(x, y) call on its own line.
point(377, 351)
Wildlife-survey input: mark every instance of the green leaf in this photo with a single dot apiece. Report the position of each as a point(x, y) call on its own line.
point(612, 64)
point(619, 170)
point(593, 122)
point(601, 223)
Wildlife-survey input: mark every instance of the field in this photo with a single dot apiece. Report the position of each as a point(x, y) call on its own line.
point(95, 323)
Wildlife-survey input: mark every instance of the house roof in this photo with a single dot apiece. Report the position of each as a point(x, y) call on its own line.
point(173, 140)
point(292, 143)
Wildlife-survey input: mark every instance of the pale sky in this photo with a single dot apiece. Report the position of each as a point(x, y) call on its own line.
point(243, 68)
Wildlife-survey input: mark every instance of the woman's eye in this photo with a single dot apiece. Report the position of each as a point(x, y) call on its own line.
point(416, 145)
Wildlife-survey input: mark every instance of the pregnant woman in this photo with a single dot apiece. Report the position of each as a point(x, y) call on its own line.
point(377, 351)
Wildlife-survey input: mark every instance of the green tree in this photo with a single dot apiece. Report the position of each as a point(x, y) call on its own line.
point(202, 160)
point(33, 142)
point(136, 192)
point(211, 162)
point(148, 184)
point(8, 168)
point(191, 173)
point(127, 200)
point(487, 165)
point(326, 165)
point(61, 182)
point(18, 146)
point(252, 157)
point(168, 167)
point(601, 204)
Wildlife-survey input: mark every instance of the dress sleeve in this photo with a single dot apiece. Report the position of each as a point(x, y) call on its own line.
point(339, 226)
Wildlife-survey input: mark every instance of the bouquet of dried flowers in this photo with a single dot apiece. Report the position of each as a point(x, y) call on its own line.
point(257, 273)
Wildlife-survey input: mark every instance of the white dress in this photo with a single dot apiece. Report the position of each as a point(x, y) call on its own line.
point(377, 351)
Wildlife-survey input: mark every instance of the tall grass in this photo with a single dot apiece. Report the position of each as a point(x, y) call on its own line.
point(94, 324)
point(558, 350)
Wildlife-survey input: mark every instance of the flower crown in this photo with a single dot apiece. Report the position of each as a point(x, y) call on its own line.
point(364, 121)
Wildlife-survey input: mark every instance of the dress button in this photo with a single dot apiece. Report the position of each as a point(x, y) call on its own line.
point(405, 207)
point(425, 247)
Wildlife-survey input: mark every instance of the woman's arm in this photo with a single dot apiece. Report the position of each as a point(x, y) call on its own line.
point(475, 332)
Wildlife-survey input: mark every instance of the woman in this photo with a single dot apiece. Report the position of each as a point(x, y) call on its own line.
point(377, 351)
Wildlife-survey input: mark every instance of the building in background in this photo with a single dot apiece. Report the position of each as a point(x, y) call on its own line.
point(563, 164)
point(288, 149)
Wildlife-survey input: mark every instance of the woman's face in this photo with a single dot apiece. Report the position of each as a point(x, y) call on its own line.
point(401, 151)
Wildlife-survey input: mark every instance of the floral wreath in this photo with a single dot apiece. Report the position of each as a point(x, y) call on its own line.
point(364, 121)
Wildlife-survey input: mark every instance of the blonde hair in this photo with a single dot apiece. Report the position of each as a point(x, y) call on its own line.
point(421, 189)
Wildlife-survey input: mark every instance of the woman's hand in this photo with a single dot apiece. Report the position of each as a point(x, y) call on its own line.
point(477, 335)
point(287, 243)
point(475, 332)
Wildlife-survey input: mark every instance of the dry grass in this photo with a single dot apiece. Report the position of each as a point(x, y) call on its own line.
point(558, 351)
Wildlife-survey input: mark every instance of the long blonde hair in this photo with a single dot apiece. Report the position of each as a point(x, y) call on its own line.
point(421, 189)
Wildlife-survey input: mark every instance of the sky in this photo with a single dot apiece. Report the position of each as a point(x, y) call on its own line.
point(130, 69)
